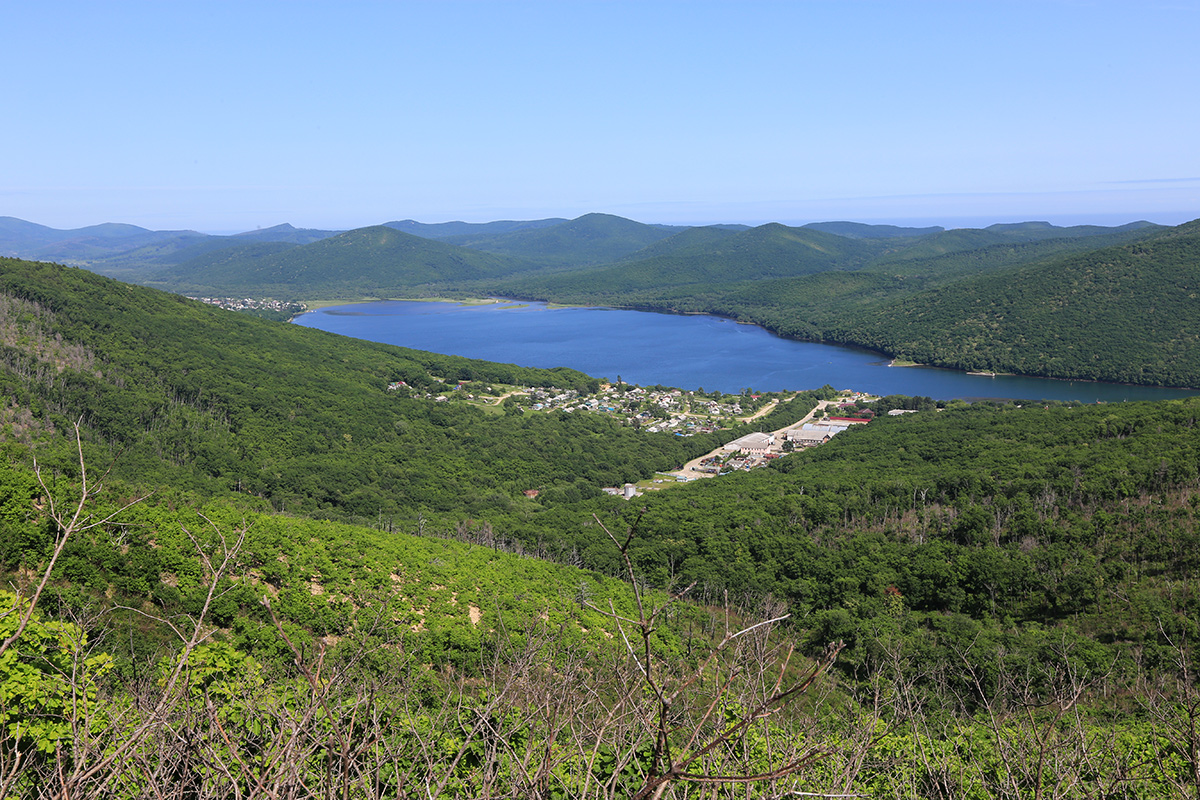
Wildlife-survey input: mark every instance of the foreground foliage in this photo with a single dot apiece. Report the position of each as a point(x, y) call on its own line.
point(390, 665)
point(1011, 592)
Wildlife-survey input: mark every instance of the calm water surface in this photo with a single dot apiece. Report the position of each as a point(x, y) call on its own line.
point(684, 351)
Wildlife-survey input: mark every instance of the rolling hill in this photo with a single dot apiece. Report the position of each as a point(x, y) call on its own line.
point(587, 240)
point(1003, 587)
point(442, 230)
point(22, 239)
point(378, 261)
point(859, 230)
point(708, 258)
point(1126, 313)
point(129, 252)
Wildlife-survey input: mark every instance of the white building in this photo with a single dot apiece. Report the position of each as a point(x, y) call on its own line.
point(756, 444)
point(812, 434)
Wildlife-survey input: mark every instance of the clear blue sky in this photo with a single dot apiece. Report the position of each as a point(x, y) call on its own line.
point(226, 116)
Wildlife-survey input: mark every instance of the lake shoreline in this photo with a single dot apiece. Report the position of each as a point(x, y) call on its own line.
point(776, 363)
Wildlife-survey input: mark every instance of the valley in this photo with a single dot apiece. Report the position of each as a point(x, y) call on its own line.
point(284, 545)
point(600, 401)
point(1029, 299)
point(691, 351)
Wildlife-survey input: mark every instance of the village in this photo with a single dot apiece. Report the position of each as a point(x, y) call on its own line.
point(659, 409)
point(652, 409)
point(753, 450)
point(284, 308)
point(685, 413)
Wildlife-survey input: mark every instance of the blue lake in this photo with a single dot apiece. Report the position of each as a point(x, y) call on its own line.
point(684, 351)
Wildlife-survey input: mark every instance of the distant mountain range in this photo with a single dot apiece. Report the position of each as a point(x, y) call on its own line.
point(375, 261)
point(263, 259)
point(1108, 303)
point(443, 230)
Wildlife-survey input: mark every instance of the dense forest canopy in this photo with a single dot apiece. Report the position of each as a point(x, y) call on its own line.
point(287, 554)
point(1084, 302)
point(197, 396)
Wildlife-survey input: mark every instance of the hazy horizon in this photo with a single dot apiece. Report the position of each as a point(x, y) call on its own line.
point(232, 117)
point(1068, 220)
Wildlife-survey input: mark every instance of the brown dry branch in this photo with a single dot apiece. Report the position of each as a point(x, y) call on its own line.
point(1173, 705)
point(693, 738)
point(101, 758)
point(68, 521)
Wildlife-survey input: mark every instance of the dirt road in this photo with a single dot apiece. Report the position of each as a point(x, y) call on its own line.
point(687, 472)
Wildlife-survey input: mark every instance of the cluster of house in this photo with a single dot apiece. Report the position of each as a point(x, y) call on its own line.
point(654, 410)
point(552, 398)
point(251, 304)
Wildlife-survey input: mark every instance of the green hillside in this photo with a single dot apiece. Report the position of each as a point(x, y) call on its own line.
point(1003, 596)
point(1124, 313)
point(159, 258)
point(693, 241)
point(197, 397)
point(590, 239)
point(824, 305)
point(717, 259)
point(377, 261)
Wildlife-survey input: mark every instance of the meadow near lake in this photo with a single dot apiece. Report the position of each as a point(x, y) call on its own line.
point(689, 351)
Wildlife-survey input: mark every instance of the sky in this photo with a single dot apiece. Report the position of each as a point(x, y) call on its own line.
point(229, 116)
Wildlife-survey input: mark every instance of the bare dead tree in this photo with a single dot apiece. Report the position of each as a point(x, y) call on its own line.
point(1173, 704)
point(99, 759)
point(1041, 736)
point(686, 746)
point(68, 519)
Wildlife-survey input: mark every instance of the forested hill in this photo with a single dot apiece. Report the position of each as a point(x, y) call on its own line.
point(209, 400)
point(441, 230)
point(1084, 302)
point(590, 239)
point(1128, 313)
point(1014, 587)
point(1092, 303)
point(714, 260)
point(859, 230)
point(378, 261)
